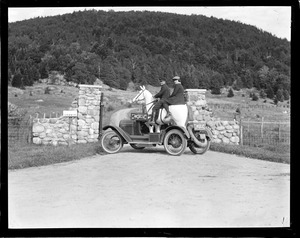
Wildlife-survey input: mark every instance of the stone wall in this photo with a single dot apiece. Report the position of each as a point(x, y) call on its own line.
point(54, 131)
point(66, 130)
point(223, 131)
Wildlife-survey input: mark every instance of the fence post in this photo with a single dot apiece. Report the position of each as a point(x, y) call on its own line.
point(262, 128)
point(279, 132)
point(241, 131)
point(101, 116)
point(30, 129)
point(249, 128)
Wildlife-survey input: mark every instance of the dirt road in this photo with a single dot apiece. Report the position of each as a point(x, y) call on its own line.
point(149, 188)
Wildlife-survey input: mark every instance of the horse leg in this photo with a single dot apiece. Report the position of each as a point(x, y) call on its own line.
point(150, 127)
point(157, 128)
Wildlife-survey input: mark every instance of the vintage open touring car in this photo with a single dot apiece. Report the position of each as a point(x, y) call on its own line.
point(175, 133)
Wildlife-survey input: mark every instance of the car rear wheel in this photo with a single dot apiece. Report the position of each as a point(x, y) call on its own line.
point(175, 142)
point(199, 150)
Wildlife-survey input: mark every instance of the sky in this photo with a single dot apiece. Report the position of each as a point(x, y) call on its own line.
point(275, 20)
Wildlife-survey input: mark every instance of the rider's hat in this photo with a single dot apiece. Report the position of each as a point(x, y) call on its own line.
point(161, 80)
point(176, 78)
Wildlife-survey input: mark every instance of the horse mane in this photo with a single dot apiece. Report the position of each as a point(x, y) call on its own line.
point(150, 94)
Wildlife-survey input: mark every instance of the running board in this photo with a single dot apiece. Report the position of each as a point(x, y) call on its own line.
point(148, 138)
point(145, 143)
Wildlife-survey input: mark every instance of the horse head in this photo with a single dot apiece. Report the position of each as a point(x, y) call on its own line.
point(143, 95)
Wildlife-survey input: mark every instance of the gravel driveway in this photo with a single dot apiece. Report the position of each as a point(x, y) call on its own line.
point(150, 188)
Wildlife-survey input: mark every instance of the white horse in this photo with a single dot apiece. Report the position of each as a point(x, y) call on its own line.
point(179, 112)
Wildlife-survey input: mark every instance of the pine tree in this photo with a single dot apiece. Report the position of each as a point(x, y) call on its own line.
point(270, 92)
point(275, 100)
point(286, 95)
point(279, 95)
point(216, 83)
point(254, 97)
point(17, 81)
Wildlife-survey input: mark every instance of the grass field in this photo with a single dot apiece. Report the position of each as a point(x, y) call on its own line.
point(22, 155)
point(34, 100)
point(61, 97)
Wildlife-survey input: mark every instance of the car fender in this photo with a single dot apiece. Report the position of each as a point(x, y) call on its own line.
point(209, 133)
point(120, 131)
point(181, 128)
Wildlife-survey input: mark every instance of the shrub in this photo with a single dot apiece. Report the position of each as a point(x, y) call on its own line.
point(279, 95)
point(286, 95)
point(14, 111)
point(236, 87)
point(17, 81)
point(262, 94)
point(47, 90)
point(53, 76)
point(254, 97)
point(275, 100)
point(110, 108)
point(230, 93)
point(215, 91)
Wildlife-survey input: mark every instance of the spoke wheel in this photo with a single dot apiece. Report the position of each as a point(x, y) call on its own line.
point(175, 142)
point(195, 148)
point(111, 142)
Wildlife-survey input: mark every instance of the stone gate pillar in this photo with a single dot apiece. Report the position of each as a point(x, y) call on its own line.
point(88, 113)
point(196, 100)
point(223, 131)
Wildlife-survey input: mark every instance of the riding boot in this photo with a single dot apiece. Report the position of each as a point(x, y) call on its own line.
point(156, 116)
point(152, 121)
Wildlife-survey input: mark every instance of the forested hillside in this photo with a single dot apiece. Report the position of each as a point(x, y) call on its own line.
point(142, 47)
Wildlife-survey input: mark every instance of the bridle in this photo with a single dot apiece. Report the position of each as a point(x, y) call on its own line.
point(140, 93)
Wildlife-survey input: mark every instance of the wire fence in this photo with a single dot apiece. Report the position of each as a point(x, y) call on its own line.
point(256, 133)
point(19, 129)
point(228, 106)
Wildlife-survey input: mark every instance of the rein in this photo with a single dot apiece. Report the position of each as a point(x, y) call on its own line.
point(151, 105)
point(151, 102)
point(144, 99)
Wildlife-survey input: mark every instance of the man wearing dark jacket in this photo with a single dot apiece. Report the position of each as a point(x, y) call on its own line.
point(164, 93)
point(176, 98)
